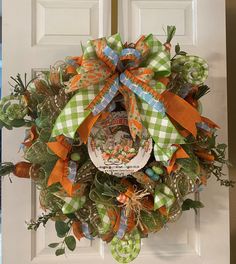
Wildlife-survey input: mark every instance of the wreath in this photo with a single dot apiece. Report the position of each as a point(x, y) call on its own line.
point(115, 140)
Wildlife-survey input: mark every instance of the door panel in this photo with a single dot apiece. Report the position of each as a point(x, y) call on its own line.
point(37, 33)
point(202, 238)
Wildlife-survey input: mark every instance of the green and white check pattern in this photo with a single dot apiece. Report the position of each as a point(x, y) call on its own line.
point(73, 204)
point(154, 44)
point(74, 113)
point(126, 249)
point(193, 69)
point(105, 220)
point(160, 63)
point(114, 42)
point(89, 51)
point(161, 130)
point(159, 58)
point(164, 154)
point(163, 197)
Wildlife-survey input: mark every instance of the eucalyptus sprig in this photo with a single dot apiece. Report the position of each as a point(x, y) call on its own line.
point(63, 230)
point(216, 168)
point(42, 220)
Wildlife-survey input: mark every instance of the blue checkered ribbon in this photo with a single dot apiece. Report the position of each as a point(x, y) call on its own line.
point(138, 90)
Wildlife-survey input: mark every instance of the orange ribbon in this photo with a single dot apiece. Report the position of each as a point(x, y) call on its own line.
point(179, 154)
point(60, 171)
point(85, 128)
point(181, 111)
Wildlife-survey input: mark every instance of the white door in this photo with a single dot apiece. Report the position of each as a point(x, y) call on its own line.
point(39, 32)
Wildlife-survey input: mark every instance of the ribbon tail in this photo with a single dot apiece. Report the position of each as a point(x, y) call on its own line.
point(164, 153)
point(105, 96)
point(58, 172)
point(86, 127)
point(74, 113)
point(134, 118)
point(61, 147)
point(179, 154)
point(181, 111)
point(141, 89)
point(163, 197)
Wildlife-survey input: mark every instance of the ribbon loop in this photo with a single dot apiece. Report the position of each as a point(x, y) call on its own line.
point(163, 197)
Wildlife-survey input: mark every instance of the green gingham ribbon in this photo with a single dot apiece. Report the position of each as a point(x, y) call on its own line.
point(127, 249)
point(164, 152)
point(158, 58)
point(194, 70)
point(160, 127)
point(75, 111)
point(163, 197)
point(105, 220)
point(114, 42)
point(72, 204)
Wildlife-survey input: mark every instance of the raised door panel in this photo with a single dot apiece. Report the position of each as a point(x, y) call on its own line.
point(202, 238)
point(38, 33)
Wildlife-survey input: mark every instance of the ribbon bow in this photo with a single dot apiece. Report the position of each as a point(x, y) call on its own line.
point(63, 171)
point(107, 66)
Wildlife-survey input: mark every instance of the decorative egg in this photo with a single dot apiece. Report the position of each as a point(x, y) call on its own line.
point(149, 172)
point(155, 177)
point(157, 170)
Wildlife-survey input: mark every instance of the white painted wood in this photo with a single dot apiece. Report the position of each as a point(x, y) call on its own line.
point(36, 34)
point(200, 30)
point(142, 17)
point(64, 22)
point(32, 41)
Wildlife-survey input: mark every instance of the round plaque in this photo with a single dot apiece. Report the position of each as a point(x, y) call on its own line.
point(112, 149)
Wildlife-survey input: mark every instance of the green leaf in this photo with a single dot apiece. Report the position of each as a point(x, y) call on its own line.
point(191, 204)
point(62, 228)
point(18, 122)
point(54, 245)
point(170, 33)
point(60, 251)
point(70, 242)
point(222, 146)
point(7, 126)
point(177, 48)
